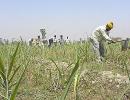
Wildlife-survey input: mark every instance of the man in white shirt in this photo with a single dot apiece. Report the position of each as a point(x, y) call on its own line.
point(99, 36)
point(67, 40)
point(55, 40)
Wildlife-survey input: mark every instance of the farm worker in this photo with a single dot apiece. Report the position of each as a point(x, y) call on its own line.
point(55, 40)
point(99, 36)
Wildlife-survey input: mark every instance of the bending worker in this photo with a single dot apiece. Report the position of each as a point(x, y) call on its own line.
point(99, 37)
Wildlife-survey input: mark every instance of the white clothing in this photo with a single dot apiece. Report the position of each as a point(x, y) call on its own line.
point(99, 36)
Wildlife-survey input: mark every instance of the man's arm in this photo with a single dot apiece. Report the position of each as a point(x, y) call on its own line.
point(105, 36)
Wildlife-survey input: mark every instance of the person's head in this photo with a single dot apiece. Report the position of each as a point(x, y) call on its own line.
point(109, 26)
point(61, 36)
point(55, 36)
point(31, 39)
point(38, 37)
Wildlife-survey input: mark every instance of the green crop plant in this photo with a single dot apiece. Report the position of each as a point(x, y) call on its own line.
point(8, 85)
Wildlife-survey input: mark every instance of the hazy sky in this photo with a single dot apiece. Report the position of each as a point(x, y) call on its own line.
point(74, 18)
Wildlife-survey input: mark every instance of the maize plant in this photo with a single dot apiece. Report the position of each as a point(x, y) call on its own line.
point(8, 72)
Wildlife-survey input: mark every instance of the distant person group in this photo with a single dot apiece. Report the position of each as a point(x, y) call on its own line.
point(50, 42)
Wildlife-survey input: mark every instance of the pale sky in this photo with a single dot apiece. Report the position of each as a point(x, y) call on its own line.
point(73, 18)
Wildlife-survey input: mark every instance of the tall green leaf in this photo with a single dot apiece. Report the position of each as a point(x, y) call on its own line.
point(15, 71)
point(13, 95)
point(2, 69)
point(70, 80)
point(2, 72)
point(12, 60)
point(76, 79)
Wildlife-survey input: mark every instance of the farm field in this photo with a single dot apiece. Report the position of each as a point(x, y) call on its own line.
point(68, 72)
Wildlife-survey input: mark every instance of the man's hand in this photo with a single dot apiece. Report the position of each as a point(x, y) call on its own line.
point(113, 41)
